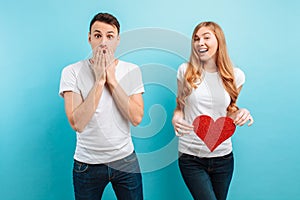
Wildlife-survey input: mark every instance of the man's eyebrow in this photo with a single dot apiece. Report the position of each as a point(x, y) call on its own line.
point(101, 32)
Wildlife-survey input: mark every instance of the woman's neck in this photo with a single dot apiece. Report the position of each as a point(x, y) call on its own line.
point(209, 66)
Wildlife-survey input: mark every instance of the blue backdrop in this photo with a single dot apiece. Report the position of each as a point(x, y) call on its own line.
point(39, 38)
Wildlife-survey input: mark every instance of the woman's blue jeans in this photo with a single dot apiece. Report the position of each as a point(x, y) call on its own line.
point(207, 178)
point(90, 180)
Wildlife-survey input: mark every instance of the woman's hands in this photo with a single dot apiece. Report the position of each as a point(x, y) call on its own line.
point(241, 117)
point(180, 125)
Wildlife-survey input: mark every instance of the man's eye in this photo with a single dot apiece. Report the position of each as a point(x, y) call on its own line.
point(110, 36)
point(97, 36)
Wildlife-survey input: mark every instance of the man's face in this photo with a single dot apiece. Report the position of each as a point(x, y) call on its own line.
point(104, 36)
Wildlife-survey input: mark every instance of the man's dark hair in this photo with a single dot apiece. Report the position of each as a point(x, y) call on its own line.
point(106, 18)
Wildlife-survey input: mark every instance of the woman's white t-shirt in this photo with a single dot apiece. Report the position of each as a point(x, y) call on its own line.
point(209, 98)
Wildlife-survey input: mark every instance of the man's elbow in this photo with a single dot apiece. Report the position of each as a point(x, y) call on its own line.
point(76, 128)
point(136, 120)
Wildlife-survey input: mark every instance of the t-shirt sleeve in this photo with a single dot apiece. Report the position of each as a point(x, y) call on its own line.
point(181, 71)
point(239, 77)
point(136, 81)
point(68, 81)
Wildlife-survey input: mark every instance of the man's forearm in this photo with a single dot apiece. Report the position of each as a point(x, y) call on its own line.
point(85, 111)
point(130, 109)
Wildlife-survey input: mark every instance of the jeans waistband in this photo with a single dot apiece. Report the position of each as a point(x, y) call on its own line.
point(208, 158)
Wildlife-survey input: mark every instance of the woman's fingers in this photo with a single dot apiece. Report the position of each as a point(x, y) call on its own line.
point(178, 134)
point(181, 132)
point(243, 117)
point(251, 120)
point(181, 128)
point(184, 126)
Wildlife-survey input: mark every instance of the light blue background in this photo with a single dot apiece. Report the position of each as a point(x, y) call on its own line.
point(39, 38)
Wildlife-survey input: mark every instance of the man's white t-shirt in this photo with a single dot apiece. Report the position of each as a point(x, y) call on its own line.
point(107, 136)
point(209, 98)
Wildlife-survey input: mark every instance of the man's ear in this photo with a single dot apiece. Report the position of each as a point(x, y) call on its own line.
point(118, 40)
point(89, 37)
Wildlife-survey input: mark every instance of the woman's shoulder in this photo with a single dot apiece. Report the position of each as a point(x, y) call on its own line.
point(239, 76)
point(238, 72)
point(183, 67)
point(181, 70)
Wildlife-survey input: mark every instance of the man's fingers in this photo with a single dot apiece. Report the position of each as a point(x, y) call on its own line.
point(102, 60)
point(110, 58)
point(95, 56)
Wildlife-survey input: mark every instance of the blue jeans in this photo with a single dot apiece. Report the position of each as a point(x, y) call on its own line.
point(207, 178)
point(90, 180)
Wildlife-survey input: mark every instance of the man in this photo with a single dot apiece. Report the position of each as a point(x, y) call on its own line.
point(103, 95)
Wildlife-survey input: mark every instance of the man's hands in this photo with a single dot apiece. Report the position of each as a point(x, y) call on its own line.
point(111, 64)
point(98, 65)
point(104, 65)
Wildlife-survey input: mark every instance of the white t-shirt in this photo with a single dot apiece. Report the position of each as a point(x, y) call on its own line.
point(107, 136)
point(209, 98)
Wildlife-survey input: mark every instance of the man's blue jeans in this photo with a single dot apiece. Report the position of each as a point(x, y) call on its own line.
point(207, 178)
point(90, 180)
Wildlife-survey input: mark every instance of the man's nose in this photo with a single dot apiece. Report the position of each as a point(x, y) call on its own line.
point(103, 42)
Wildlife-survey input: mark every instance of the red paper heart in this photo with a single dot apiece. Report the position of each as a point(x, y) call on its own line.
point(213, 133)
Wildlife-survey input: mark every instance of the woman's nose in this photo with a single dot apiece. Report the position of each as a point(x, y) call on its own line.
point(201, 41)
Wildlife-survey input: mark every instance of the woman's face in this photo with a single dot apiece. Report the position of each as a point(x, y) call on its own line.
point(205, 44)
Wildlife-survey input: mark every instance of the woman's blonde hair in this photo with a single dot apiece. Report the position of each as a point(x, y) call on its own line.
point(194, 69)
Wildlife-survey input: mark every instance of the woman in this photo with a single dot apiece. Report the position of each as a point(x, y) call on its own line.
point(207, 85)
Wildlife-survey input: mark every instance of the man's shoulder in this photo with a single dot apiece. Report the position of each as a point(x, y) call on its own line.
point(127, 64)
point(75, 67)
